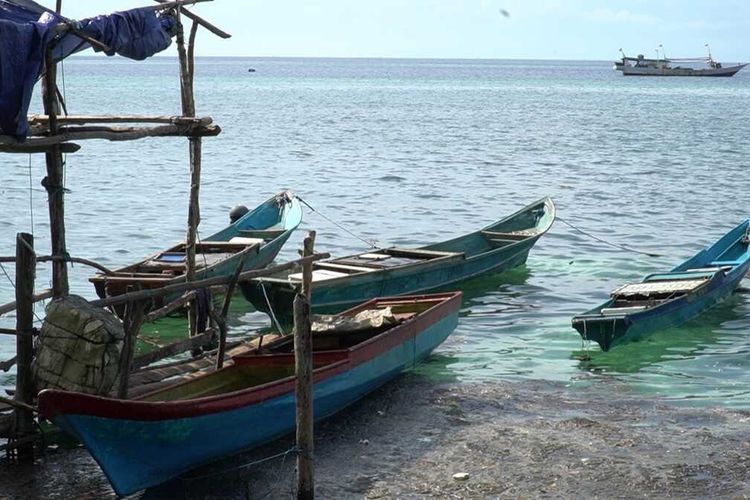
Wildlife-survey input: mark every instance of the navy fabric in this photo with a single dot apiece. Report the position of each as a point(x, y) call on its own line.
point(24, 35)
point(26, 32)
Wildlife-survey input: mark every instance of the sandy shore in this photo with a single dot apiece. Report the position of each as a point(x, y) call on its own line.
point(513, 439)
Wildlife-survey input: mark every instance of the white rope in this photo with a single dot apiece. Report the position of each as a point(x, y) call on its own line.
point(370, 243)
point(622, 247)
point(270, 309)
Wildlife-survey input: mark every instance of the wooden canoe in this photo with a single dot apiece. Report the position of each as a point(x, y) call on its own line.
point(144, 442)
point(343, 282)
point(636, 310)
point(257, 237)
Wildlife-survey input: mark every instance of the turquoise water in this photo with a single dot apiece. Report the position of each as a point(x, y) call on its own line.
point(414, 151)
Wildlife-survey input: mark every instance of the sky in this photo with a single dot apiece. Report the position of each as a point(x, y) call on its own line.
point(487, 29)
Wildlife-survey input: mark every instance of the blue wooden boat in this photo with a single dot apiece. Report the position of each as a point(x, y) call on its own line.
point(144, 442)
point(257, 237)
point(663, 300)
point(343, 282)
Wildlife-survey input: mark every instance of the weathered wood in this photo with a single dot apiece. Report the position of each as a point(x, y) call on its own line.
point(81, 119)
point(67, 258)
point(8, 364)
point(65, 147)
point(307, 249)
point(11, 306)
point(172, 349)
point(53, 183)
point(195, 285)
point(25, 274)
point(225, 312)
point(118, 133)
point(304, 397)
point(210, 27)
point(171, 307)
point(132, 325)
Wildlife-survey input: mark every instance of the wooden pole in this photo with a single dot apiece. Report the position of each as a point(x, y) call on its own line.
point(25, 274)
point(304, 384)
point(222, 318)
point(53, 183)
point(188, 109)
point(133, 319)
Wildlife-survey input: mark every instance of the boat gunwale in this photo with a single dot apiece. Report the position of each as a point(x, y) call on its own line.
point(54, 402)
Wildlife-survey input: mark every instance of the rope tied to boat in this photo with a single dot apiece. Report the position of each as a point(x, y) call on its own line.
point(283, 455)
point(370, 243)
point(616, 245)
point(270, 308)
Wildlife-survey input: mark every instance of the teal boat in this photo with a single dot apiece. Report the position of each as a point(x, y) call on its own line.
point(256, 237)
point(636, 310)
point(344, 282)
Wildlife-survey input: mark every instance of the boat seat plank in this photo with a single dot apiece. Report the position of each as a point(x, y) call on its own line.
point(335, 266)
point(421, 253)
point(244, 240)
point(725, 263)
point(616, 311)
point(511, 236)
point(319, 275)
point(264, 234)
point(655, 287)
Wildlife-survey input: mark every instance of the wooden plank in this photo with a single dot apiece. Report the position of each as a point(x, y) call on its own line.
point(421, 254)
point(65, 147)
point(82, 119)
point(210, 27)
point(67, 134)
point(11, 306)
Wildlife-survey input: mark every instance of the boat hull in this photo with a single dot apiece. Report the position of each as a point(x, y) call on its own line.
point(137, 449)
point(723, 266)
point(649, 71)
point(609, 332)
point(479, 258)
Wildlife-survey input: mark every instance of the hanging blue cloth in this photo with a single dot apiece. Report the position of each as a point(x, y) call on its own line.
point(24, 36)
point(27, 30)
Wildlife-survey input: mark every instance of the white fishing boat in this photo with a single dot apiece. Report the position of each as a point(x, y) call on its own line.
point(688, 66)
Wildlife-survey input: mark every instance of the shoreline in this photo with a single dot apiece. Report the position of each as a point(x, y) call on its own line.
point(512, 438)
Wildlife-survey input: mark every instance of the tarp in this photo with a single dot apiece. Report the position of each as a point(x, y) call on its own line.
point(28, 29)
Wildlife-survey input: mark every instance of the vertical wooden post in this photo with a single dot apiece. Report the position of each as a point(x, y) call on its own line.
point(53, 183)
point(187, 64)
point(25, 273)
point(303, 357)
point(132, 321)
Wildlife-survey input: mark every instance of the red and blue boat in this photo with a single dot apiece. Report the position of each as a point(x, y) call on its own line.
point(145, 442)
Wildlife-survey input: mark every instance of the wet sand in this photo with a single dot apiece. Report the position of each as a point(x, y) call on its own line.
point(513, 439)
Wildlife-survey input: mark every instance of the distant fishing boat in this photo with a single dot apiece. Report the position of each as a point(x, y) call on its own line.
point(663, 300)
point(257, 237)
point(346, 281)
point(145, 442)
point(691, 66)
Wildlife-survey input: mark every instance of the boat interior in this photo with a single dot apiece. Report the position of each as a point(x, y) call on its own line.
point(275, 360)
point(376, 260)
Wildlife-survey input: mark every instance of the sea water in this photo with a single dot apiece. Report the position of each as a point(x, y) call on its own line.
point(408, 152)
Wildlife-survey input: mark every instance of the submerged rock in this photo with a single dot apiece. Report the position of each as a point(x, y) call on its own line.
point(78, 348)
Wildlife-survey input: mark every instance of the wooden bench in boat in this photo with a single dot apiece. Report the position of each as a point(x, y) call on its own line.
point(659, 287)
point(497, 239)
point(393, 257)
point(264, 234)
point(346, 268)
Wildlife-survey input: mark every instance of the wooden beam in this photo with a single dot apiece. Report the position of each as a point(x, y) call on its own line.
point(25, 275)
point(65, 147)
point(81, 119)
point(195, 285)
point(11, 306)
point(210, 27)
point(133, 319)
point(67, 134)
point(171, 307)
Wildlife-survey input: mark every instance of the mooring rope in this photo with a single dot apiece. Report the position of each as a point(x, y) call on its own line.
point(368, 242)
point(270, 309)
point(293, 449)
point(621, 247)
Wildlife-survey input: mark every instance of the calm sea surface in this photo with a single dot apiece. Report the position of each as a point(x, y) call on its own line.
point(408, 152)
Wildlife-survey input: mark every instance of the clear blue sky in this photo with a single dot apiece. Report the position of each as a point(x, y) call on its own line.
point(534, 29)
